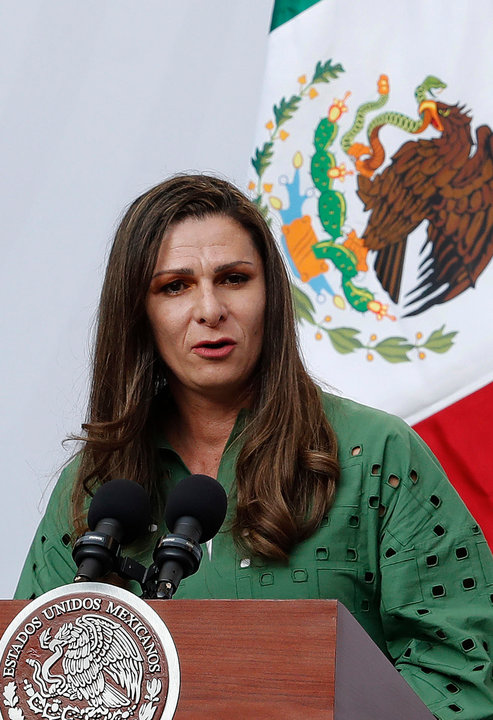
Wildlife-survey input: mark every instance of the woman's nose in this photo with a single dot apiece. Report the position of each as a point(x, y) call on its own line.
point(210, 310)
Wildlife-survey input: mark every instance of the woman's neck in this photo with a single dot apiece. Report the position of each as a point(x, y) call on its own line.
point(198, 429)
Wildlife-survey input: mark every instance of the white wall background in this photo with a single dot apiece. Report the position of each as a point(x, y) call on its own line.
point(99, 100)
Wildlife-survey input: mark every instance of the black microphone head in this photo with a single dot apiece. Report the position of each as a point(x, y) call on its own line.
point(125, 501)
point(200, 497)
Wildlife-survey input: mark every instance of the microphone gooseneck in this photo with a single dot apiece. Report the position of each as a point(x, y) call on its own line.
point(195, 511)
point(119, 513)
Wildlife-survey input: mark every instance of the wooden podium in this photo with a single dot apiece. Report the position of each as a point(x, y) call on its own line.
point(276, 660)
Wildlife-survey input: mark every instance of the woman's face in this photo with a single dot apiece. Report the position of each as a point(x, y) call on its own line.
point(206, 305)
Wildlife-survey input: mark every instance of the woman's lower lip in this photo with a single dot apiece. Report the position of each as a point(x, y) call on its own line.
point(207, 351)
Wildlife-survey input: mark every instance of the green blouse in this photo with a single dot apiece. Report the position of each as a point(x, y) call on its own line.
point(398, 548)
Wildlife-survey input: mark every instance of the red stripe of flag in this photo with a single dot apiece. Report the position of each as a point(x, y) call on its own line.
point(461, 438)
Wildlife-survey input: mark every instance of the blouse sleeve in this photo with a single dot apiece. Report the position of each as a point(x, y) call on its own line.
point(49, 562)
point(436, 584)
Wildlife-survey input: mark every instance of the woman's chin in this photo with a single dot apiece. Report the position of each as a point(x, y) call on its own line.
point(228, 390)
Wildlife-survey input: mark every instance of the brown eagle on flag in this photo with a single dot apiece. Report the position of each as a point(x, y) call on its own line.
point(443, 182)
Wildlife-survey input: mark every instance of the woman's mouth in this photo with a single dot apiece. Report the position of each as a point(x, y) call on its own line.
point(213, 350)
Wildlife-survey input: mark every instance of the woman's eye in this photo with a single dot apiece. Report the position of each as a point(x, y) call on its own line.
point(173, 288)
point(235, 279)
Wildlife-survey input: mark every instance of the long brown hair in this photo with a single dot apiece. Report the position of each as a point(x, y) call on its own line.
point(287, 468)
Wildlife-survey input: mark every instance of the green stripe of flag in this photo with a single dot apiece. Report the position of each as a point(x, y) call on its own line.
point(285, 10)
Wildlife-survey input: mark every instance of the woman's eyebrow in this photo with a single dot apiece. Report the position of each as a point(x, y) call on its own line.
point(230, 265)
point(173, 271)
point(189, 271)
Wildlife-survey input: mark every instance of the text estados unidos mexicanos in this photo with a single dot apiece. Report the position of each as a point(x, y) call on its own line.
point(71, 605)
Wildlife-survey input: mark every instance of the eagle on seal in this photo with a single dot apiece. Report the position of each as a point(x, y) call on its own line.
point(101, 664)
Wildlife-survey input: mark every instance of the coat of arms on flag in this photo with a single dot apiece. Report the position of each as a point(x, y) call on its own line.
point(373, 161)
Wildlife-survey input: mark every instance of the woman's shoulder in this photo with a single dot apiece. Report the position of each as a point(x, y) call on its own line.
point(49, 562)
point(375, 437)
point(61, 495)
point(348, 417)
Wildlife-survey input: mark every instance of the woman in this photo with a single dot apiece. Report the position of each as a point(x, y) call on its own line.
point(196, 369)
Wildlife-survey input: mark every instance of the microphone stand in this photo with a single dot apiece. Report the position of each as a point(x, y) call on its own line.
point(176, 556)
point(98, 553)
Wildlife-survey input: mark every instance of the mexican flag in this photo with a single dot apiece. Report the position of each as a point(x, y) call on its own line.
point(373, 159)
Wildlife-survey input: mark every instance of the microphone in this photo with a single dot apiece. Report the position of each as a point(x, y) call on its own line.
point(119, 512)
point(195, 511)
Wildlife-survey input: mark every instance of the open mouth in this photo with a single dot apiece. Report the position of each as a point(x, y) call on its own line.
point(220, 344)
point(220, 348)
